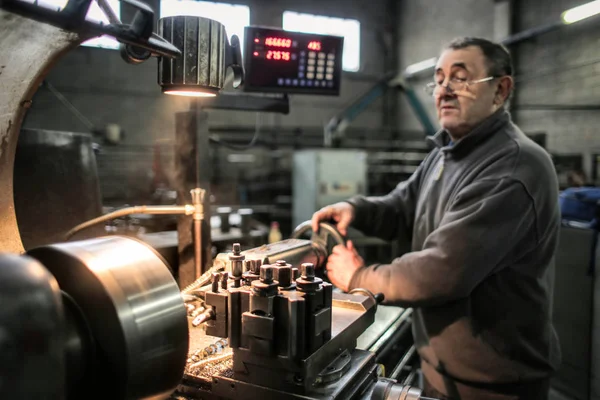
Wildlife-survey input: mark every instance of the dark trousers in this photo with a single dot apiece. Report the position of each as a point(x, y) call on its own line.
point(531, 392)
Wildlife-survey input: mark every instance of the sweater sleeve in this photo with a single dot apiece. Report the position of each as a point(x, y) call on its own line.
point(489, 225)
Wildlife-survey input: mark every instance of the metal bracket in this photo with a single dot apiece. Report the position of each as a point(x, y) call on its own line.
point(72, 19)
point(336, 369)
point(247, 102)
point(143, 20)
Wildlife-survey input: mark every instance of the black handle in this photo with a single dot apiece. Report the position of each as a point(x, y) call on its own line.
point(233, 59)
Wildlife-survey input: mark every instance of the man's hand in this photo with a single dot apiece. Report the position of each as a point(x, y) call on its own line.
point(342, 264)
point(342, 213)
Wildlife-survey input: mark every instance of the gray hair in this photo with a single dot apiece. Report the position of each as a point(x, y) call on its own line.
point(499, 61)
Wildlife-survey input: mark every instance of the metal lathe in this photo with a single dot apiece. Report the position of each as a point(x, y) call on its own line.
point(104, 318)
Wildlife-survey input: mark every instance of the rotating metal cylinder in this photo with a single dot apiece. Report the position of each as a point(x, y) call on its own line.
point(200, 70)
point(54, 169)
point(389, 389)
point(124, 297)
point(31, 331)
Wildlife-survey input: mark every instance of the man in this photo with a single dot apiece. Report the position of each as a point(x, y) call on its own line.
point(482, 215)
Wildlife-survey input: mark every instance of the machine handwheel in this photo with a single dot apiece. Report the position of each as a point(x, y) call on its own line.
point(325, 240)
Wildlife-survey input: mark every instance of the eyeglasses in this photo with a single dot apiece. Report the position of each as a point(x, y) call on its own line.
point(454, 84)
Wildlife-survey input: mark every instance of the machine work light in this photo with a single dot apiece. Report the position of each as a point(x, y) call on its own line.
point(582, 12)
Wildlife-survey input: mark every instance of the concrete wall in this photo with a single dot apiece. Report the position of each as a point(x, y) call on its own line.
point(424, 27)
point(560, 68)
point(107, 90)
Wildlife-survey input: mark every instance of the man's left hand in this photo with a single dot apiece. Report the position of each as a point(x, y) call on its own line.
point(342, 264)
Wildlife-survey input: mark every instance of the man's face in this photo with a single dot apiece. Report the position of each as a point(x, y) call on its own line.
point(459, 111)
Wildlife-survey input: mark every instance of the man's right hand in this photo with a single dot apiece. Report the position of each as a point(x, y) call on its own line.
point(342, 213)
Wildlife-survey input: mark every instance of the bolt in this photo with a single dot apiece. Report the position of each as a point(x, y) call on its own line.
point(236, 269)
point(197, 312)
point(284, 276)
point(237, 264)
point(308, 271)
point(265, 286)
point(248, 265)
point(224, 279)
point(266, 274)
point(216, 277)
point(308, 282)
point(295, 273)
point(205, 316)
point(256, 266)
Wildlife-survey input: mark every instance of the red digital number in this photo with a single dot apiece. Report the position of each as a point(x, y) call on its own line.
point(314, 45)
point(278, 55)
point(278, 42)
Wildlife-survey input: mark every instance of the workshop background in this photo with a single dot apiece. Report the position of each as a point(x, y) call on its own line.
point(556, 102)
point(556, 98)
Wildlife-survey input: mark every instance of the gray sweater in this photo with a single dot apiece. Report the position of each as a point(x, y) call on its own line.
point(483, 218)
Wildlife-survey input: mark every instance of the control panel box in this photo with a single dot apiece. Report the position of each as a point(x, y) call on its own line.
point(279, 61)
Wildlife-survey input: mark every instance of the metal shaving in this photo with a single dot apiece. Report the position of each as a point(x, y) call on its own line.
point(223, 368)
point(212, 360)
point(211, 350)
point(216, 366)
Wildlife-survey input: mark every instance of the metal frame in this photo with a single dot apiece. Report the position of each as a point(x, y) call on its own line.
point(247, 102)
point(334, 130)
point(72, 19)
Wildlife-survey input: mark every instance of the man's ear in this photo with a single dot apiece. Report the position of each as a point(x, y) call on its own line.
point(505, 87)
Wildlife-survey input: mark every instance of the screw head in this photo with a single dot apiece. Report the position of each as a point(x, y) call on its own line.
point(256, 266)
point(224, 279)
point(284, 276)
point(308, 271)
point(216, 278)
point(266, 274)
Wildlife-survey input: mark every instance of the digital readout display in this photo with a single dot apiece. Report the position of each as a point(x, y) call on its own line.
point(292, 62)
